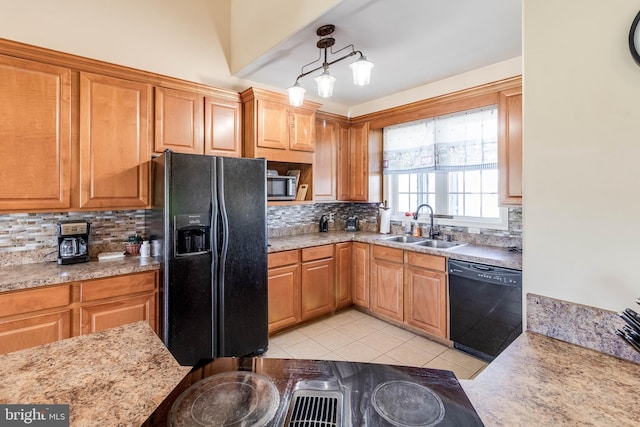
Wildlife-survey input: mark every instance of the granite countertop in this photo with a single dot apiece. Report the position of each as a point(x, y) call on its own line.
point(116, 377)
point(493, 255)
point(26, 276)
point(119, 376)
point(542, 381)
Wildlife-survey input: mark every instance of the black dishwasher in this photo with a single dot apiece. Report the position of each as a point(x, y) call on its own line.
point(485, 307)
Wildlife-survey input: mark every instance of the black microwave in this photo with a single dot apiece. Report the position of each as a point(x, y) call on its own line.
point(281, 187)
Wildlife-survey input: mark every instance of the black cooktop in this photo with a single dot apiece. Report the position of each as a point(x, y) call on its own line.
point(292, 392)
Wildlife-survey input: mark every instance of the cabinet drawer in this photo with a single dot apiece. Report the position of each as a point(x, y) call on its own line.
point(389, 254)
point(433, 262)
point(31, 300)
point(317, 252)
point(278, 259)
point(117, 286)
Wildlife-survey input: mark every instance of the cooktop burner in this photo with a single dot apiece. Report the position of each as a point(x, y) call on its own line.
point(236, 398)
point(290, 392)
point(406, 404)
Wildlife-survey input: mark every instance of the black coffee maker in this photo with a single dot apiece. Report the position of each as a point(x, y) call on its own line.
point(73, 242)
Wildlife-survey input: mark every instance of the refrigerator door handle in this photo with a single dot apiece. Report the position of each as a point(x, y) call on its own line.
point(222, 252)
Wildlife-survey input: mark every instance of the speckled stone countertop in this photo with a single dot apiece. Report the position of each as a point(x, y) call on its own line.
point(116, 377)
point(492, 255)
point(26, 276)
point(541, 381)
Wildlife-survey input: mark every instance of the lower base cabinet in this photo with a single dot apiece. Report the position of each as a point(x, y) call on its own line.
point(344, 259)
point(318, 281)
point(284, 289)
point(425, 293)
point(387, 282)
point(360, 274)
point(47, 314)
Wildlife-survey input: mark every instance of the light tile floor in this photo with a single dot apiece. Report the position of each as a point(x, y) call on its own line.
point(357, 337)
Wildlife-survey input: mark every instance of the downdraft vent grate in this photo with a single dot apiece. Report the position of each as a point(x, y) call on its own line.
point(315, 410)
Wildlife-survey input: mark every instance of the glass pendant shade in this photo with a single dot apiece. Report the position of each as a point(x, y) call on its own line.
point(296, 95)
point(325, 84)
point(361, 71)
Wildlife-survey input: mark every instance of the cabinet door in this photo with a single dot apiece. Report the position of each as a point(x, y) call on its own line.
point(318, 283)
point(35, 136)
point(387, 283)
point(344, 256)
point(510, 146)
point(284, 297)
point(114, 142)
point(324, 161)
point(343, 160)
point(96, 317)
point(222, 128)
point(32, 331)
point(179, 121)
point(426, 304)
point(303, 130)
point(273, 125)
point(360, 274)
point(359, 163)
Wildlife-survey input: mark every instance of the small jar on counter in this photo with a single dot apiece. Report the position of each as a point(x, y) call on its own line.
point(145, 249)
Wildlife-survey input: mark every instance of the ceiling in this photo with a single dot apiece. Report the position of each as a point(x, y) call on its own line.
point(411, 43)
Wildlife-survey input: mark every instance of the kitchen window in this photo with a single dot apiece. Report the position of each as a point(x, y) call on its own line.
point(449, 162)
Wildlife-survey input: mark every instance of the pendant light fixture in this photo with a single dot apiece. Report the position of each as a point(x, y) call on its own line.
point(361, 68)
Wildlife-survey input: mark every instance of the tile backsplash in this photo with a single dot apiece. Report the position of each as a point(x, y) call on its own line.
point(31, 237)
point(27, 238)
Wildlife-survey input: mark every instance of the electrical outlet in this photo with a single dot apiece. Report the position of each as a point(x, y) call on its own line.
point(473, 230)
point(330, 217)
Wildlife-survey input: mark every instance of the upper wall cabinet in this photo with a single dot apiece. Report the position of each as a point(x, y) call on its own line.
point(193, 123)
point(360, 163)
point(510, 146)
point(276, 131)
point(115, 143)
point(35, 135)
point(222, 127)
point(179, 121)
point(325, 159)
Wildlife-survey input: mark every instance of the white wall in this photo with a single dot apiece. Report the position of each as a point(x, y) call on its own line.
point(581, 222)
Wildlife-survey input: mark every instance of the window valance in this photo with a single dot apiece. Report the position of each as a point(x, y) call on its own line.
point(460, 141)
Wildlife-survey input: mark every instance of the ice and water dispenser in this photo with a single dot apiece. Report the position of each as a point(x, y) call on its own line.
point(192, 233)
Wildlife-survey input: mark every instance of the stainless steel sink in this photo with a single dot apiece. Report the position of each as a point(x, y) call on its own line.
point(417, 241)
point(403, 239)
point(439, 244)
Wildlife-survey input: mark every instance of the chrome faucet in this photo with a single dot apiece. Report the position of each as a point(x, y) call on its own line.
point(432, 232)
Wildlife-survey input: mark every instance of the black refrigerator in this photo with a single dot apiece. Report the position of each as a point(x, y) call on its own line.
point(209, 217)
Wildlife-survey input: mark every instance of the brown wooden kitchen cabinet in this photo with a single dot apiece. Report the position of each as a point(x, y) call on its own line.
point(179, 121)
point(387, 282)
point(115, 142)
point(276, 131)
point(41, 315)
point(284, 293)
point(359, 163)
point(344, 259)
point(33, 317)
point(318, 281)
point(425, 293)
point(193, 123)
point(325, 159)
point(510, 146)
point(360, 271)
point(116, 301)
point(35, 136)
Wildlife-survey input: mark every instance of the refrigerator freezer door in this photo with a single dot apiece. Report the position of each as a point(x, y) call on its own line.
point(242, 269)
point(190, 323)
